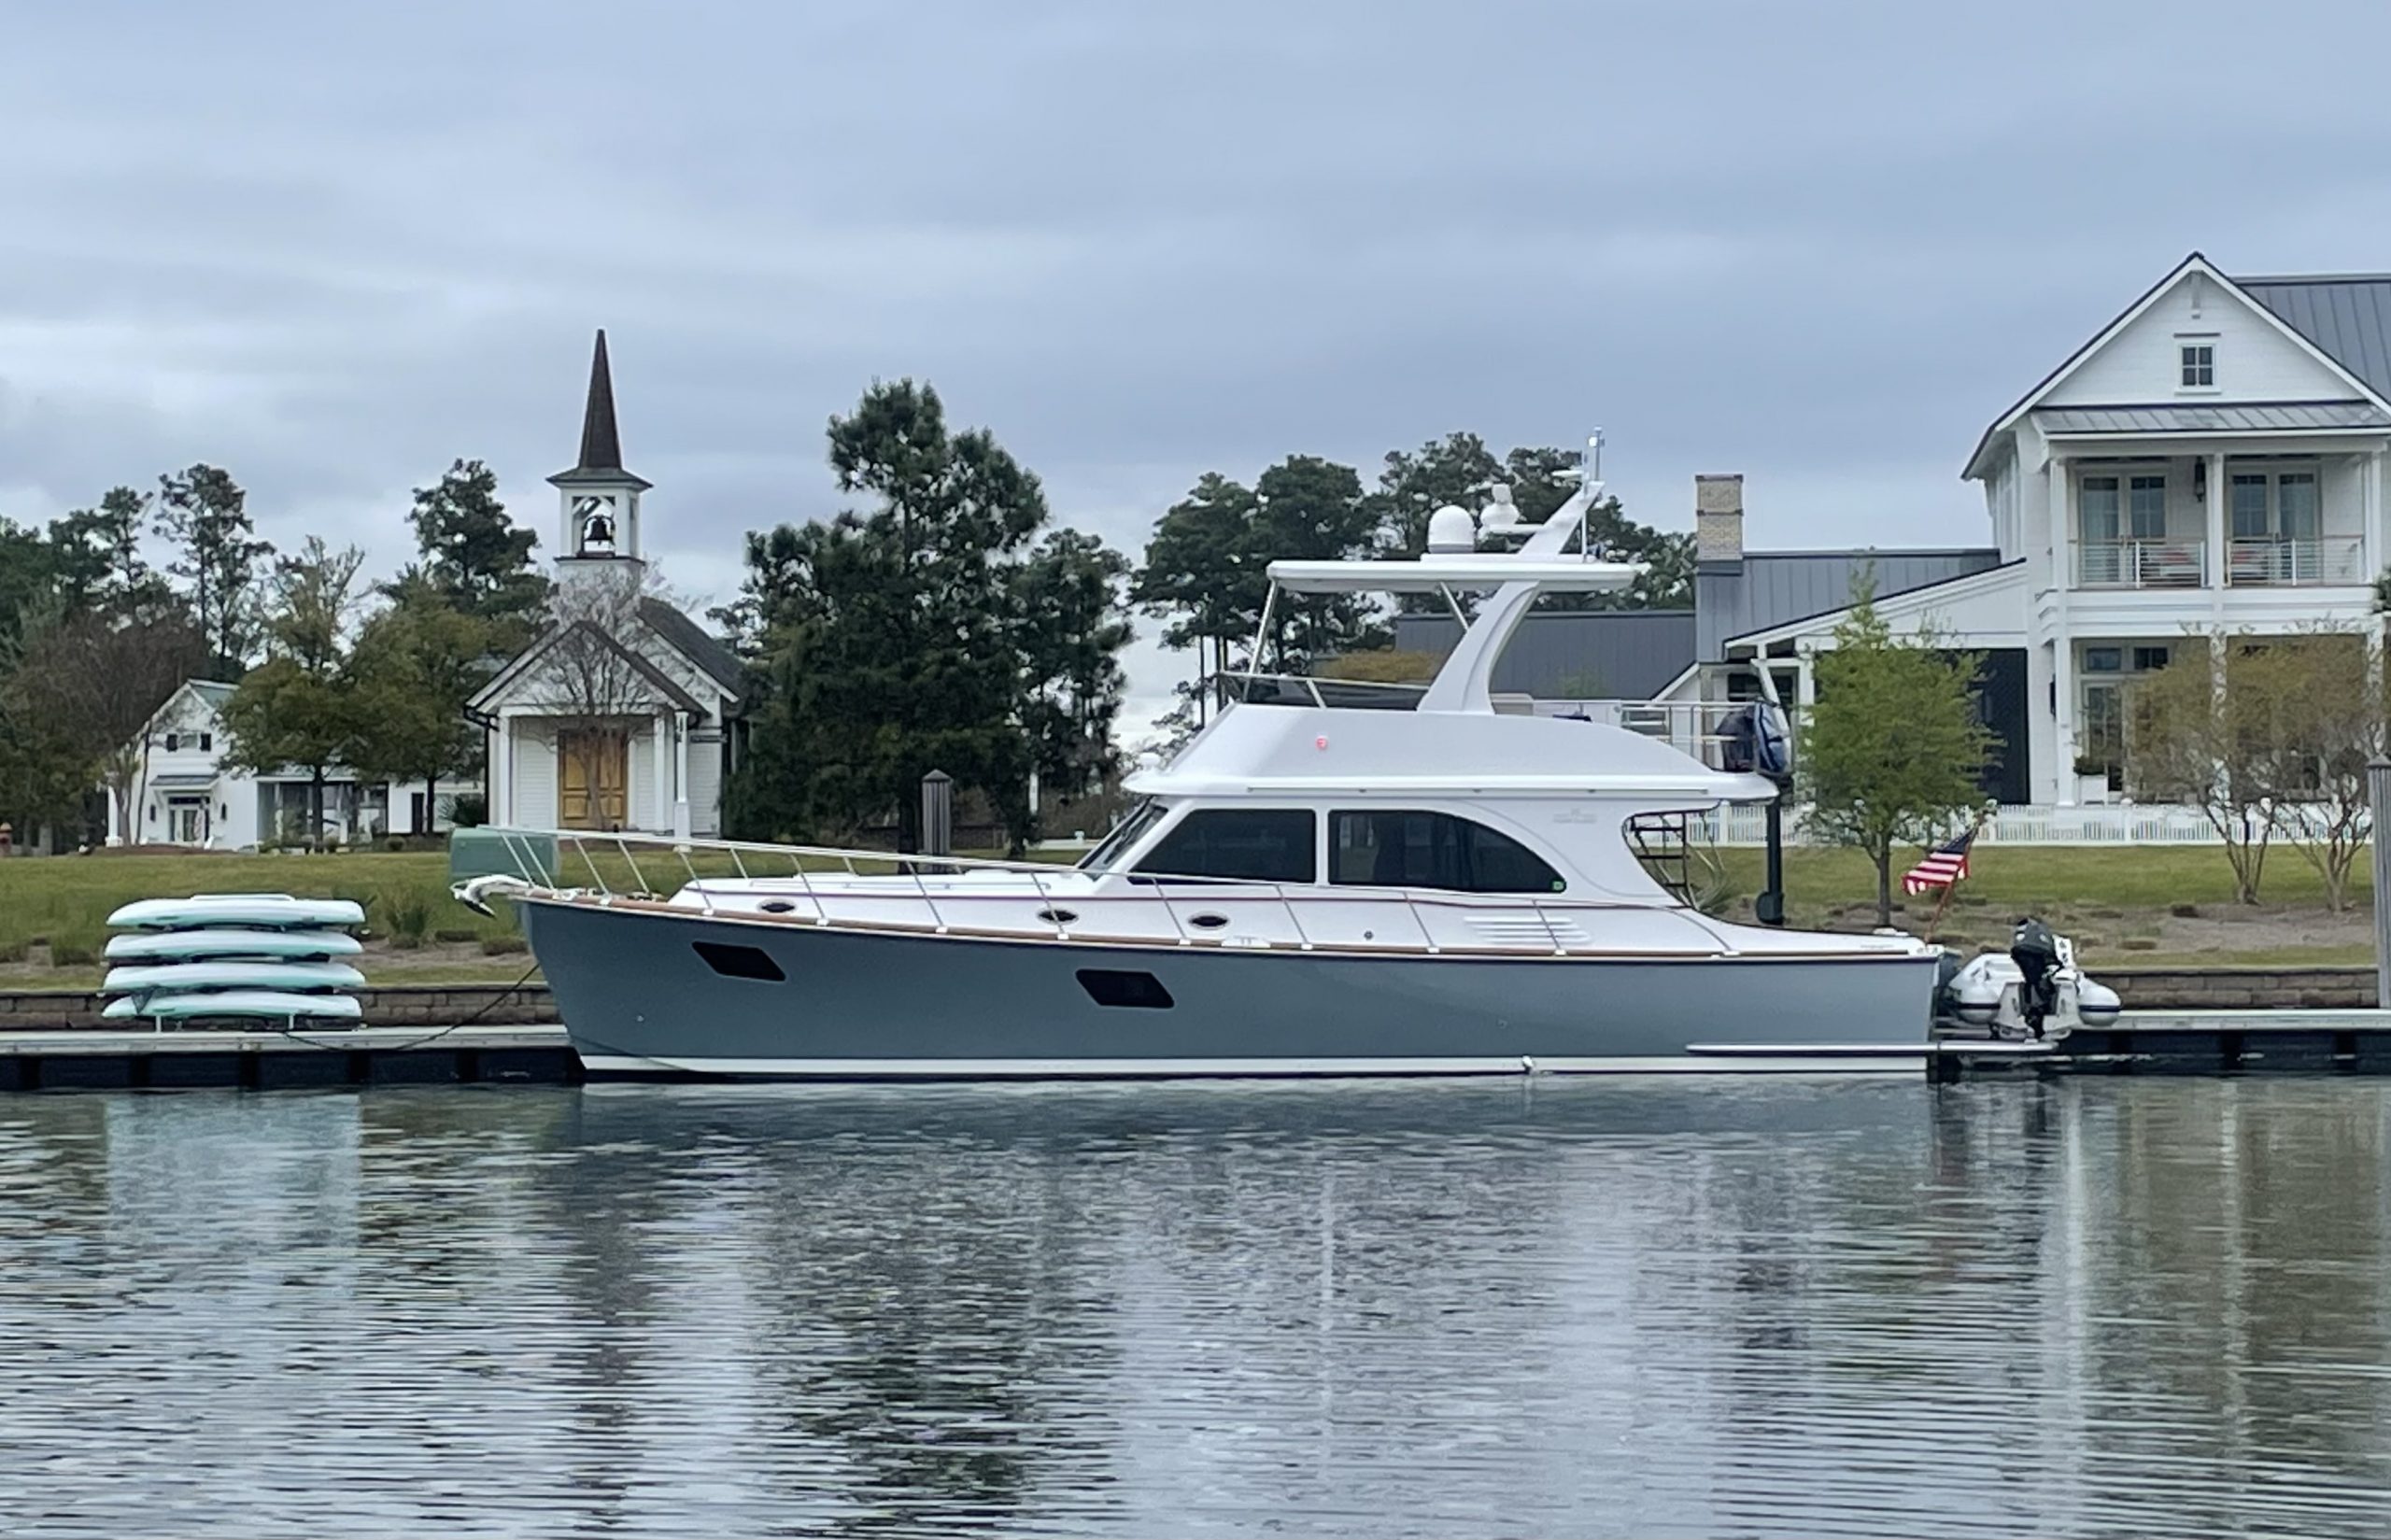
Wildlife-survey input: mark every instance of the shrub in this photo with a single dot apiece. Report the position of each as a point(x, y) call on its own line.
point(500, 946)
point(406, 916)
point(455, 935)
point(68, 956)
point(468, 809)
point(394, 844)
point(14, 951)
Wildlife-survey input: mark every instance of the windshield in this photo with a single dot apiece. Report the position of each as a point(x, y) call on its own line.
point(1125, 833)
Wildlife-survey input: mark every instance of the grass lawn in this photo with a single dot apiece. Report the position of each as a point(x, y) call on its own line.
point(54, 911)
point(2120, 903)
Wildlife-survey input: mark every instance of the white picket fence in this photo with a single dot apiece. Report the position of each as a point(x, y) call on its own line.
point(2113, 824)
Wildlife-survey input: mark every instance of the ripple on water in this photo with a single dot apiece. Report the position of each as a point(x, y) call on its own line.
point(1647, 1308)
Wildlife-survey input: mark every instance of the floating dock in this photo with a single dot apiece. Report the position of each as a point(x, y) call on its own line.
point(267, 1059)
point(2353, 1042)
point(2145, 1042)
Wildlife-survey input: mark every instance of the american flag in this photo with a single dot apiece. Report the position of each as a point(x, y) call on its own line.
point(1945, 864)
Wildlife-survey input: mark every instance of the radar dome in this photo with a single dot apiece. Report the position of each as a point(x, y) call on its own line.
point(1450, 530)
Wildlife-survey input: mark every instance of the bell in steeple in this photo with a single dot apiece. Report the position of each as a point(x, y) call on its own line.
point(599, 498)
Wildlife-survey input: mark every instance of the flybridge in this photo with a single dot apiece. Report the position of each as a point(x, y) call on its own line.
point(1538, 562)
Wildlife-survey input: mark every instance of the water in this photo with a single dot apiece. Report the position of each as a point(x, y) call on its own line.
point(1606, 1307)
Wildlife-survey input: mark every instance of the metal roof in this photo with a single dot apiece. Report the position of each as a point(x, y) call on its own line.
point(214, 691)
point(2347, 315)
point(1772, 588)
point(183, 781)
point(2214, 417)
point(1595, 655)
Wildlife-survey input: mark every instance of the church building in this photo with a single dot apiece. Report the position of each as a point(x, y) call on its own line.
point(626, 714)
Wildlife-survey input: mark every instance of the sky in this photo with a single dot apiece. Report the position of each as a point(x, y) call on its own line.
point(333, 249)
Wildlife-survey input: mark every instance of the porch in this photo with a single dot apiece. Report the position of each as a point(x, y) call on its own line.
point(2286, 516)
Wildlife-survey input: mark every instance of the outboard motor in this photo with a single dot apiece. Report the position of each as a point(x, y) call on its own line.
point(2036, 953)
point(1755, 742)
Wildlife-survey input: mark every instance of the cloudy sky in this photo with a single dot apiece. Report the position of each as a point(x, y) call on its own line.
point(333, 249)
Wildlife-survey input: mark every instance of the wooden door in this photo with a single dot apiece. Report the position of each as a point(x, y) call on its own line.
point(593, 780)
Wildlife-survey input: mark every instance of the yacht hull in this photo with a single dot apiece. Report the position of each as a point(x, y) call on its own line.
point(641, 997)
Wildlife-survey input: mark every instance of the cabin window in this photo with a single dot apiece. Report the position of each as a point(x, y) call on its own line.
point(1405, 849)
point(1250, 844)
point(1124, 837)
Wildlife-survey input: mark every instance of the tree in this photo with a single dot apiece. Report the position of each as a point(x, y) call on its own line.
point(415, 666)
point(475, 559)
point(97, 554)
point(92, 682)
point(926, 635)
point(301, 707)
point(2271, 738)
point(1070, 629)
point(1892, 751)
point(205, 513)
point(1197, 576)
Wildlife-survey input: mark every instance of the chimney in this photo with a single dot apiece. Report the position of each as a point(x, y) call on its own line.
point(1719, 524)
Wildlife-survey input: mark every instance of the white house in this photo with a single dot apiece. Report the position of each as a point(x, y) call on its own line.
point(625, 714)
point(2208, 463)
point(183, 793)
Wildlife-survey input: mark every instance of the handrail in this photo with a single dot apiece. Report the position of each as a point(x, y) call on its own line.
point(1153, 884)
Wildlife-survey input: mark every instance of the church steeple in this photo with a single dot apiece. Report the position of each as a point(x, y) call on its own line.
point(601, 448)
point(600, 498)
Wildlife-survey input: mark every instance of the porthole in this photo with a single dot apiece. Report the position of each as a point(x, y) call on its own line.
point(1208, 922)
point(777, 906)
point(1059, 916)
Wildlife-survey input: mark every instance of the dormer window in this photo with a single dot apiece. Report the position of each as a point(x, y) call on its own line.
point(2196, 359)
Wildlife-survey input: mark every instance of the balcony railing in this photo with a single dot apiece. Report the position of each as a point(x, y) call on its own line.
point(2273, 564)
point(2140, 563)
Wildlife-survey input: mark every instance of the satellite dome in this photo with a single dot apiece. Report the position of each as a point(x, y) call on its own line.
point(1451, 530)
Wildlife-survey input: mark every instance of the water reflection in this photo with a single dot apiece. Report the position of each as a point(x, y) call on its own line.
point(1792, 1307)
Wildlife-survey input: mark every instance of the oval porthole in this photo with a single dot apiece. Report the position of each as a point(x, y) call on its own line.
point(1059, 916)
point(1208, 922)
point(777, 906)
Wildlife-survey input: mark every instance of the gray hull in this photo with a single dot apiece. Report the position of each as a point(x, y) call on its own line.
point(645, 993)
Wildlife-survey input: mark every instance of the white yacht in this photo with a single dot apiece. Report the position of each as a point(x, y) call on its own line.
point(1306, 888)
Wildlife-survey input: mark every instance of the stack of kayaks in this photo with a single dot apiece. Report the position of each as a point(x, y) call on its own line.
point(246, 957)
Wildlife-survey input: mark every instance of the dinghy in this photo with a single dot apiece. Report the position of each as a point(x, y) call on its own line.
point(198, 946)
point(256, 911)
point(184, 978)
point(253, 1004)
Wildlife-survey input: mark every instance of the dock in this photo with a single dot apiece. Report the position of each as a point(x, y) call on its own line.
point(269, 1059)
point(2345, 1041)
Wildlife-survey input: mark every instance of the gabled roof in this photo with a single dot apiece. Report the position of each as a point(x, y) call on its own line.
point(2256, 416)
point(2351, 334)
point(213, 691)
point(1895, 604)
point(696, 644)
point(684, 636)
point(1774, 588)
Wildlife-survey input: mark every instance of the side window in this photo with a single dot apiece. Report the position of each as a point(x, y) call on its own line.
point(1432, 850)
point(1260, 844)
point(174, 742)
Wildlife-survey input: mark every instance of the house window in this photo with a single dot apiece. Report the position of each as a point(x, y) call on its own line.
point(2198, 361)
point(2099, 508)
point(1247, 844)
point(174, 742)
point(1407, 849)
point(207, 742)
point(2146, 507)
point(2146, 659)
point(2105, 660)
point(2277, 505)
